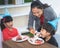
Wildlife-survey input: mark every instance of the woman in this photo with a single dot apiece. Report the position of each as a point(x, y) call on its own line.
point(40, 13)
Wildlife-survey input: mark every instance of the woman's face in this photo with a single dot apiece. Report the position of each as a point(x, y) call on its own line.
point(9, 24)
point(44, 33)
point(37, 12)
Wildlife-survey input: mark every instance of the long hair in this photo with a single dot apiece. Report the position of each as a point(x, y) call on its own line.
point(4, 20)
point(38, 4)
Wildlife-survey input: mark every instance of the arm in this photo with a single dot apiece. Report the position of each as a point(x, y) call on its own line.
point(5, 36)
point(31, 22)
point(49, 14)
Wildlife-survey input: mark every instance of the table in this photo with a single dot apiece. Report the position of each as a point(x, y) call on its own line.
point(25, 44)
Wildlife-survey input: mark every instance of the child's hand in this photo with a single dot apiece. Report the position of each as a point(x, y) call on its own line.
point(18, 37)
point(38, 34)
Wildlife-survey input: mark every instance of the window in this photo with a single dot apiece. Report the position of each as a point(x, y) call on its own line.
point(3, 2)
point(25, 1)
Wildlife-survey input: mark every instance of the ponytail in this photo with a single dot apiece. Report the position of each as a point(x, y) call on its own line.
point(4, 20)
point(2, 25)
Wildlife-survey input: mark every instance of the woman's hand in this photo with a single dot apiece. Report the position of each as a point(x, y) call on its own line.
point(32, 31)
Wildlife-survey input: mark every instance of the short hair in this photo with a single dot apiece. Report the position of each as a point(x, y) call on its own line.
point(49, 28)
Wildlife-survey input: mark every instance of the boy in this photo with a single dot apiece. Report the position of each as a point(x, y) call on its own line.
point(47, 31)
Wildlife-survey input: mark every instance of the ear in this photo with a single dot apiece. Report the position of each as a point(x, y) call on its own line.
point(4, 24)
point(42, 9)
point(48, 33)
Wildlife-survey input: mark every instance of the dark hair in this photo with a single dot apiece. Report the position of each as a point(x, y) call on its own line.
point(39, 5)
point(4, 20)
point(49, 28)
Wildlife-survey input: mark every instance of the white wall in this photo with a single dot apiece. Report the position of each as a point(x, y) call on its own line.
point(0, 39)
point(57, 35)
point(20, 21)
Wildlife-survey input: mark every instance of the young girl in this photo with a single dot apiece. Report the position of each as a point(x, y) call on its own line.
point(7, 28)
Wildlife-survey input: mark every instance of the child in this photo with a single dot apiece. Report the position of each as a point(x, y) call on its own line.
point(7, 28)
point(47, 31)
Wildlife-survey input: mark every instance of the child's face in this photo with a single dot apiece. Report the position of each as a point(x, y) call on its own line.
point(9, 24)
point(44, 33)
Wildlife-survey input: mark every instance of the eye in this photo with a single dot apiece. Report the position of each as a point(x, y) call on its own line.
point(41, 29)
point(37, 12)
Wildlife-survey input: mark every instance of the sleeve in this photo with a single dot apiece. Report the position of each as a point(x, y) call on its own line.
point(53, 41)
point(49, 14)
point(31, 20)
point(14, 33)
point(5, 36)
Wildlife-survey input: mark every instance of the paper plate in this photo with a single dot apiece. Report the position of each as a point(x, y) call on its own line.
point(24, 38)
point(36, 41)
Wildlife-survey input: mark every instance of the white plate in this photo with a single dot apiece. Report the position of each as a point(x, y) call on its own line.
point(24, 38)
point(32, 41)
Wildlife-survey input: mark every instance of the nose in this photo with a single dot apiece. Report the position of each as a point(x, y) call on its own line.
point(36, 14)
point(11, 23)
